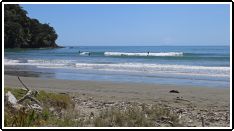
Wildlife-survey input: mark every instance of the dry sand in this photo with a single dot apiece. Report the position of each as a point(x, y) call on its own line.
point(196, 101)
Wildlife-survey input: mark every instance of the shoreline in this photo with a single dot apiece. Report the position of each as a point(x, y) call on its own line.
point(130, 91)
point(76, 75)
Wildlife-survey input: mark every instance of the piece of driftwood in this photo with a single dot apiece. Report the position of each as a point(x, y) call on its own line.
point(30, 95)
point(12, 101)
point(35, 107)
point(17, 104)
point(23, 83)
point(174, 91)
point(11, 98)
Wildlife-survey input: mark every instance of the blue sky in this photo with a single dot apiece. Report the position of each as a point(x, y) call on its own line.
point(152, 25)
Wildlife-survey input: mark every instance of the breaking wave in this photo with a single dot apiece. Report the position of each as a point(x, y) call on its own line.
point(127, 67)
point(144, 54)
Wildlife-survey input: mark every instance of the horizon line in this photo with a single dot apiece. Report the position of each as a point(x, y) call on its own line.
point(144, 45)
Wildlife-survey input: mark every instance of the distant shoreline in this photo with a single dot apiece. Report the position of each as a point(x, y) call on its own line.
point(39, 47)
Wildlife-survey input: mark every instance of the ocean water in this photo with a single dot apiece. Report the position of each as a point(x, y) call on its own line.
point(206, 66)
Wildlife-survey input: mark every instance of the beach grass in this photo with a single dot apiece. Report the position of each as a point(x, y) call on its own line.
point(50, 101)
point(58, 111)
point(136, 116)
point(46, 98)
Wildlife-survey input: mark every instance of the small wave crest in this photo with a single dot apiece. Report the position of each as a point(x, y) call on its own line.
point(85, 53)
point(143, 54)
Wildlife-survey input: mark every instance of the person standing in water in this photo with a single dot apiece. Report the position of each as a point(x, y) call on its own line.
point(148, 53)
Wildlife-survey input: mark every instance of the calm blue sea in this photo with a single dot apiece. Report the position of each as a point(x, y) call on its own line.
point(207, 66)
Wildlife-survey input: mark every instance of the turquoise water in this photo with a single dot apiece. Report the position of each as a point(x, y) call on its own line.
point(207, 66)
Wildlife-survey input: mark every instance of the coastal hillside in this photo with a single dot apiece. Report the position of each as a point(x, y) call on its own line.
point(20, 31)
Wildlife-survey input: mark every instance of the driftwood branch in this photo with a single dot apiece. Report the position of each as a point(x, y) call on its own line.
point(23, 83)
point(31, 94)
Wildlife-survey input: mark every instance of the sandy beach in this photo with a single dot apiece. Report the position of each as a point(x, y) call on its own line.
point(201, 96)
point(195, 101)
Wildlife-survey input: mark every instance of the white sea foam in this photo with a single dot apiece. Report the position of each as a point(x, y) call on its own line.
point(144, 54)
point(45, 63)
point(158, 68)
point(127, 67)
point(11, 62)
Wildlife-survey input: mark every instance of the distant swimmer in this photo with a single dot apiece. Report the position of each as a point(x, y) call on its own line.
point(89, 53)
point(79, 52)
point(148, 53)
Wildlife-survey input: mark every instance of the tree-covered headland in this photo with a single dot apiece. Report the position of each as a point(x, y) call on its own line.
point(20, 31)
